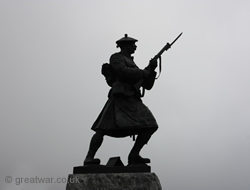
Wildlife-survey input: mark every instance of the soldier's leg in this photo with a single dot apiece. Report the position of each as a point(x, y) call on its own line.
point(95, 144)
point(141, 140)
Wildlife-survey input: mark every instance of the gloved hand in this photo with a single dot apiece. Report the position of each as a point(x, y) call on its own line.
point(152, 64)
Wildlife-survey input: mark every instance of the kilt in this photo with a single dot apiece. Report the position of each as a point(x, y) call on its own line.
point(124, 116)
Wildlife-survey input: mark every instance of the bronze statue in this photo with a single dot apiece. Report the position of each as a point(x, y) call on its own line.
point(124, 113)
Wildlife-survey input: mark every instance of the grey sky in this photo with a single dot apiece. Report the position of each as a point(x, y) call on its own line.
point(51, 54)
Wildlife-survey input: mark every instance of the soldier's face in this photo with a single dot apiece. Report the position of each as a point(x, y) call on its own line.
point(131, 47)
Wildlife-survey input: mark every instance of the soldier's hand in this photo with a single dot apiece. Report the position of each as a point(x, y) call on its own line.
point(153, 64)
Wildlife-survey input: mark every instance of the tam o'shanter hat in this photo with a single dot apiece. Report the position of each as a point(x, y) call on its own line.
point(125, 39)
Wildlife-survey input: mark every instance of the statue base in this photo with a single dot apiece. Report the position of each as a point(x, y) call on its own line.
point(138, 168)
point(114, 165)
point(113, 176)
point(113, 181)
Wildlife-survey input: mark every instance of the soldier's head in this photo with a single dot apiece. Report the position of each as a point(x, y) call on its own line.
point(127, 44)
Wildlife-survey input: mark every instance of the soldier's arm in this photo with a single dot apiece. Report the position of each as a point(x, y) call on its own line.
point(117, 62)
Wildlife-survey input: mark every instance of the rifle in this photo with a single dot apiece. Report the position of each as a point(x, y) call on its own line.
point(165, 48)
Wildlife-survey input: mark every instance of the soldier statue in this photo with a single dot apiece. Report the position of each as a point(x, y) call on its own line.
point(124, 113)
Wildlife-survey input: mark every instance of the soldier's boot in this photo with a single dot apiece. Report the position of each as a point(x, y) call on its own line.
point(95, 144)
point(142, 139)
point(134, 156)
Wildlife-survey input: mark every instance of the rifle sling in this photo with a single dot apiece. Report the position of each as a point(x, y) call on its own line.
point(159, 67)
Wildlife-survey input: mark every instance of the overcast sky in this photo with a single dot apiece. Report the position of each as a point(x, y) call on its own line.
point(52, 91)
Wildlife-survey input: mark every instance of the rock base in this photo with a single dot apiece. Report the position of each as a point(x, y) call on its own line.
point(113, 181)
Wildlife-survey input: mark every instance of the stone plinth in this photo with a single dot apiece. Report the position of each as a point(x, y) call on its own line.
point(113, 181)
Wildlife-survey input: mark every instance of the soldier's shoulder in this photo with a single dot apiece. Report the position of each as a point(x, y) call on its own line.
point(116, 56)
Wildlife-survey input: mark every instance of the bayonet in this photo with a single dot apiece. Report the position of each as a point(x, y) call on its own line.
point(166, 47)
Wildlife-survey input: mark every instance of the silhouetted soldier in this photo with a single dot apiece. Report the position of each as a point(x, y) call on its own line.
point(124, 114)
